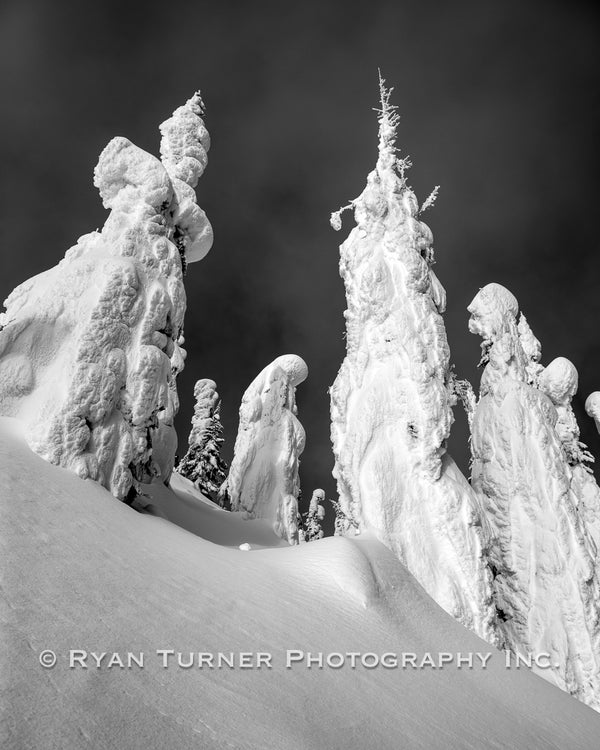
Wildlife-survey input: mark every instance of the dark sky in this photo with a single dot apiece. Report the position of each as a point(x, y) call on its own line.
point(499, 105)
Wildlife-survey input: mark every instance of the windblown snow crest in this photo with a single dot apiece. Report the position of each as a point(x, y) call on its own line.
point(391, 403)
point(90, 349)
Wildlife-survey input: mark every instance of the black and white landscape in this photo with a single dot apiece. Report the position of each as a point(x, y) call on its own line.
point(365, 541)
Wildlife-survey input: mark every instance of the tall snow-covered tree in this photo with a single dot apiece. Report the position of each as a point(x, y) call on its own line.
point(90, 349)
point(202, 464)
point(524, 449)
point(263, 479)
point(391, 403)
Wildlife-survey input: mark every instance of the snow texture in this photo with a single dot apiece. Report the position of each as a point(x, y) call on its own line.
point(202, 464)
point(263, 478)
point(528, 468)
point(90, 349)
point(391, 403)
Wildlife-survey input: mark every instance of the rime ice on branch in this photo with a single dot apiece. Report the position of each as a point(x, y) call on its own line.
point(263, 478)
point(90, 349)
point(202, 464)
point(527, 468)
point(391, 403)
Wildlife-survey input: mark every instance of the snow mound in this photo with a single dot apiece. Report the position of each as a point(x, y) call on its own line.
point(90, 349)
point(83, 571)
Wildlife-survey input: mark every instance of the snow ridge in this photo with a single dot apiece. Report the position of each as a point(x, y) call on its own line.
point(391, 402)
point(529, 471)
point(90, 349)
point(263, 479)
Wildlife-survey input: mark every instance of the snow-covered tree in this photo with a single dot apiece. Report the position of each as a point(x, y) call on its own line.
point(391, 403)
point(263, 479)
point(559, 381)
point(532, 349)
point(90, 349)
point(545, 587)
point(314, 517)
point(202, 464)
point(592, 407)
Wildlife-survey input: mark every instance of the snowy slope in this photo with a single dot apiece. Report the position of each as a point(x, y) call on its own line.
point(83, 571)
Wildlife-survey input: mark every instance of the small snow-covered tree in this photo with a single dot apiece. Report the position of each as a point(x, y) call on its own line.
point(524, 440)
point(202, 464)
point(314, 517)
point(263, 479)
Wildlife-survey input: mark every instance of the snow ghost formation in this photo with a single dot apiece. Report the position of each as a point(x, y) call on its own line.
point(592, 407)
point(391, 402)
point(202, 464)
point(528, 470)
point(90, 349)
point(559, 381)
point(263, 478)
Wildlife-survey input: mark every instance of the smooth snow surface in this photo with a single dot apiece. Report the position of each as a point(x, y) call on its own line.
point(263, 479)
point(528, 468)
point(90, 349)
point(391, 403)
point(83, 571)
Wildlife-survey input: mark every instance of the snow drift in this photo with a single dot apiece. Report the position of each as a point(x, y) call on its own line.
point(83, 571)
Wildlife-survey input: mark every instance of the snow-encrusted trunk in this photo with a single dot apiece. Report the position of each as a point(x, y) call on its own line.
point(90, 349)
point(263, 479)
point(391, 403)
point(202, 464)
point(527, 467)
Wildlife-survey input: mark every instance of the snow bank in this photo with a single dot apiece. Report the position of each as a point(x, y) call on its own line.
point(263, 478)
point(90, 350)
point(391, 403)
point(528, 470)
point(82, 571)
